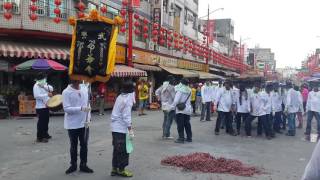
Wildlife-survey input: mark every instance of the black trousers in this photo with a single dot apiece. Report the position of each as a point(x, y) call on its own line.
point(183, 124)
point(193, 103)
point(248, 124)
point(227, 117)
point(120, 157)
point(43, 123)
point(264, 124)
point(80, 135)
point(241, 117)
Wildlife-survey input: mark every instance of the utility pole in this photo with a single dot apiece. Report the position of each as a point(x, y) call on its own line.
point(130, 54)
point(207, 33)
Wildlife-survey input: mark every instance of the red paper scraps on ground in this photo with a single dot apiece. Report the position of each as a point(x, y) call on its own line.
point(204, 162)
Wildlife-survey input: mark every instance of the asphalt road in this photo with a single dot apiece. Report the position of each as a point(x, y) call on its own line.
point(283, 158)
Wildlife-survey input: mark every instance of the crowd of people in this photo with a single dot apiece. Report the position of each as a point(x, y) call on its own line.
point(274, 105)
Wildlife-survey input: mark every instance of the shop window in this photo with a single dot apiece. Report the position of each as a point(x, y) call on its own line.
point(16, 4)
point(111, 12)
point(46, 8)
point(140, 36)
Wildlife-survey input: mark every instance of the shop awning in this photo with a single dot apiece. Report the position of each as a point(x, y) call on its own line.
point(126, 71)
point(205, 75)
point(28, 50)
point(182, 72)
point(147, 67)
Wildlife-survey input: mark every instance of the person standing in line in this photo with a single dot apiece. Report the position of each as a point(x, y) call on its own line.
point(219, 90)
point(193, 98)
point(166, 94)
point(206, 101)
point(293, 104)
point(182, 103)
point(225, 108)
point(255, 106)
point(121, 125)
point(305, 93)
point(264, 113)
point(313, 110)
point(243, 107)
point(76, 119)
point(198, 98)
point(276, 109)
point(101, 93)
point(42, 92)
point(143, 91)
point(284, 100)
point(301, 110)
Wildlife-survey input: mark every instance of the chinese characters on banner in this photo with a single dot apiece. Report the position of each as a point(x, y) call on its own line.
point(211, 31)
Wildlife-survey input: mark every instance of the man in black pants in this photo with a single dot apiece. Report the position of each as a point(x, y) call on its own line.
point(42, 92)
point(77, 116)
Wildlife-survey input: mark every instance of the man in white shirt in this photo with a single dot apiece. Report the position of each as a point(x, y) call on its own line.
point(206, 95)
point(276, 100)
point(313, 110)
point(42, 92)
point(254, 109)
point(77, 116)
point(293, 103)
point(225, 108)
point(166, 94)
point(264, 121)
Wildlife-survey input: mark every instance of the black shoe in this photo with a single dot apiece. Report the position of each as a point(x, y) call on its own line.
point(48, 137)
point(289, 134)
point(71, 169)
point(279, 132)
point(307, 138)
point(85, 169)
point(189, 140)
point(269, 138)
point(43, 140)
point(179, 141)
point(222, 127)
point(216, 133)
point(208, 120)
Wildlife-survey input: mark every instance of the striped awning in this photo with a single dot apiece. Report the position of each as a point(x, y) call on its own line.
point(182, 72)
point(147, 67)
point(126, 71)
point(29, 50)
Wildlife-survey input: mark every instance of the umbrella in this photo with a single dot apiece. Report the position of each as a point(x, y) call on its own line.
point(41, 64)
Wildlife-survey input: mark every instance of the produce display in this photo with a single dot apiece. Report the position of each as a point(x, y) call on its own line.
point(204, 162)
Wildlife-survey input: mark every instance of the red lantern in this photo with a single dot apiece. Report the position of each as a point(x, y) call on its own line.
point(81, 15)
point(81, 6)
point(33, 17)
point(136, 16)
point(125, 3)
point(145, 35)
point(162, 41)
point(175, 34)
point(137, 32)
point(145, 21)
point(145, 28)
point(190, 41)
point(155, 26)
point(7, 6)
point(155, 32)
point(33, 1)
point(136, 24)
point(7, 15)
point(161, 36)
point(57, 20)
point(169, 32)
point(181, 36)
point(176, 46)
point(57, 2)
point(170, 38)
point(169, 44)
point(175, 41)
point(186, 39)
point(123, 12)
point(103, 9)
point(155, 40)
point(123, 29)
point(180, 42)
point(33, 8)
point(57, 11)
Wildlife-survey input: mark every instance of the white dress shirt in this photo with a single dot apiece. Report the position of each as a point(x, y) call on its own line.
point(224, 100)
point(276, 100)
point(182, 97)
point(213, 91)
point(166, 95)
point(121, 113)
point(255, 104)
point(313, 102)
point(294, 101)
point(206, 93)
point(244, 107)
point(265, 103)
point(41, 95)
point(73, 100)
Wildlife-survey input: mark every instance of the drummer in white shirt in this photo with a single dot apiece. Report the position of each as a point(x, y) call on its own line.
point(225, 107)
point(42, 92)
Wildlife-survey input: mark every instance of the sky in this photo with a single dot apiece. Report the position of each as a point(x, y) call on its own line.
point(291, 28)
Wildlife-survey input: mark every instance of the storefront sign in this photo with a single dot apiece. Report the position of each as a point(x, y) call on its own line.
point(169, 62)
point(120, 55)
point(183, 64)
point(143, 57)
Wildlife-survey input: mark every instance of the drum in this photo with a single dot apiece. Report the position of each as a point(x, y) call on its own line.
point(55, 103)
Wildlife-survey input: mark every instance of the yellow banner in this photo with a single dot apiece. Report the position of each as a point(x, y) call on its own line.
point(121, 55)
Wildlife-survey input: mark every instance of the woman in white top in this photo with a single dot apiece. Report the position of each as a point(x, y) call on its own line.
point(243, 107)
point(121, 125)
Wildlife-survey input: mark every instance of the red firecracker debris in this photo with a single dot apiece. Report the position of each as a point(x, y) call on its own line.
point(204, 162)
